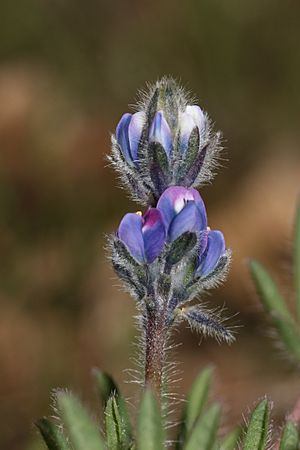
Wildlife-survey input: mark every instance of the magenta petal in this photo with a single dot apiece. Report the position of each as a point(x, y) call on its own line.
point(130, 233)
point(160, 132)
point(122, 136)
point(214, 250)
point(134, 133)
point(189, 219)
point(154, 234)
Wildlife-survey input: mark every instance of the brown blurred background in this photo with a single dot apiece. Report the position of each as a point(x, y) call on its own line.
point(68, 69)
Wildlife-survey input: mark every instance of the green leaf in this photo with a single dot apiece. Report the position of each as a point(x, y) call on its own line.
point(197, 397)
point(181, 247)
point(231, 440)
point(257, 430)
point(82, 431)
point(150, 434)
point(116, 430)
point(107, 388)
point(196, 401)
point(203, 435)
point(268, 292)
point(52, 435)
point(289, 438)
point(274, 304)
point(297, 258)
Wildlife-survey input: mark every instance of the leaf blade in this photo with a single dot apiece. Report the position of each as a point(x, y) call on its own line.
point(150, 435)
point(82, 431)
point(52, 435)
point(297, 258)
point(257, 430)
point(203, 435)
point(290, 437)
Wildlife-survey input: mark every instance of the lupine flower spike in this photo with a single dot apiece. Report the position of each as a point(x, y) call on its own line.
point(168, 255)
point(169, 141)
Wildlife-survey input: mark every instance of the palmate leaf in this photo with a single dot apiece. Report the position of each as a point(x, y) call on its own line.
point(257, 430)
point(290, 437)
point(204, 433)
point(275, 306)
point(150, 433)
point(81, 429)
point(53, 436)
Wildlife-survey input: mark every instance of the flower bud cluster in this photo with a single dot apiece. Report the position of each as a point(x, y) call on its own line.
point(167, 255)
point(168, 142)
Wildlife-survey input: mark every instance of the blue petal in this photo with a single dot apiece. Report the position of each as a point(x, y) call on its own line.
point(174, 199)
point(154, 234)
point(130, 233)
point(160, 132)
point(189, 219)
point(122, 136)
point(134, 133)
point(214, 250)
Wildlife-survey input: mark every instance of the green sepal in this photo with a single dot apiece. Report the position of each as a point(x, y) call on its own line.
point(150, 433)
point(275, 306)
point(116, 428)
point(290, 437)
point(52, 435)
point(107, 388)
point(167, 101)
point(180, 248)
point(190, 155)
point(204, 433)
point(257, 430)
point(230, 441)
point(80, 428)
point(297, 258)
point(159, 166)
point(195, 404)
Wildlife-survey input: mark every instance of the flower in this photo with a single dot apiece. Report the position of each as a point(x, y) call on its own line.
point(128, 134)
point(211, 249)
point(143, 235)
point(192, 118)
point(160, 132)
point(182, 210)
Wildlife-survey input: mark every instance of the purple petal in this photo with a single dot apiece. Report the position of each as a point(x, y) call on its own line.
point(130, 233)
point(134, 133)
point(189, 219)
point(214, 250)
point(174, 199)
point(160, 132)
point(122, 136)
point(154, 234)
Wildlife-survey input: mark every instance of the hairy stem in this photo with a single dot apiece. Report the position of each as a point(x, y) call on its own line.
point(155, 340)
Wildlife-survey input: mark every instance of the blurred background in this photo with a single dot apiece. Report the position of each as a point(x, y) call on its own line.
point(68, 70)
